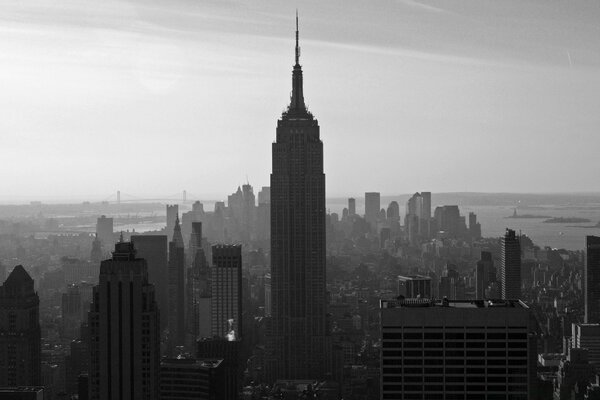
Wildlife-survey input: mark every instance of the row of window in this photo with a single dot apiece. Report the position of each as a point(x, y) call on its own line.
point(454, 370)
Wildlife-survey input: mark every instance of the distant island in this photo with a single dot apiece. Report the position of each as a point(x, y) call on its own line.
point(527, 216)
point(568, 220)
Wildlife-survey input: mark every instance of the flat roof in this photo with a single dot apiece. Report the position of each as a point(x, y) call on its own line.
point(416, 303)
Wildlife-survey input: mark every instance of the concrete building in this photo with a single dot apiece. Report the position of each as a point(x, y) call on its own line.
point(20, 335)
point(510, 266)
point(457, 350)
point(592, 280)
point(124, 330)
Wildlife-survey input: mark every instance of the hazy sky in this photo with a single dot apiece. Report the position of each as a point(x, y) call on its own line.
point(155, 96)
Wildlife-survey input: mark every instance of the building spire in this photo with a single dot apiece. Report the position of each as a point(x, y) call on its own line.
point(297, 101)
point(297, 44)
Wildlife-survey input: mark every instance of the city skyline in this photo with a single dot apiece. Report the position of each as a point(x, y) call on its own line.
point(433, 76)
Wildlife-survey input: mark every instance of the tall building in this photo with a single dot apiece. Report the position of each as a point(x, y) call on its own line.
point(20, 335)
point(414, 286)
point(71, 312)
point(172, 215)
point(124, 330)
point(485, 274)
point(299, 339)
point(457, 350)
point(372, 207)
point(176, 287)
point(153, 249)
point(263, 215)
point(393, 213)
point(592, 279)
point(226, 288)
point(104, 232)
point(510, 266)
point(351, 206)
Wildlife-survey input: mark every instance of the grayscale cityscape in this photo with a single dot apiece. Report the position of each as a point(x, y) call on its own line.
point(438, 239)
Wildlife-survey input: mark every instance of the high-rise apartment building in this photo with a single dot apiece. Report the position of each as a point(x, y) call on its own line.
point(298, 338)
point(20, 335)
point(226, 288)
point(592, 280)
point(176, 288)
point(154, 249)
point(510, 266)
point(124, 330)
point(457, 350)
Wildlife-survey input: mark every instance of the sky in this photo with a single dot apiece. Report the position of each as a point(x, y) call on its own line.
point(153, 97)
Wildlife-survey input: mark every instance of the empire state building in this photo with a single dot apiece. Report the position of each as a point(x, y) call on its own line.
point(299, 339)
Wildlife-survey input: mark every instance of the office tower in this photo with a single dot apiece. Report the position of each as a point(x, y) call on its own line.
point(587, 336)
point(176, 287)
point(510, 266)
point(393, 213)
point(198, 288)
point(228, 351)
point(448, 220)
point(172, 215)
point(485, 273)
point(20, 336)
point(104, 232)
point(414, 286)
point(76, 363)
point(226, 288)
point(124, 330)
point(426, 206)
point(372, 207)
point(264, 196)
point(153, 249)
point(298, 339)
point(457, 350)
point(351, 206)
point(189, 378)
point(71, 312)
point(592, 279)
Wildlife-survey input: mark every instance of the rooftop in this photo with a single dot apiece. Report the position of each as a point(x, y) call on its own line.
point(492, 303)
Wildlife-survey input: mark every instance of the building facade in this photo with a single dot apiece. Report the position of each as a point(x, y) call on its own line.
point(592, 280)
point(510, 266)
point(226, 288)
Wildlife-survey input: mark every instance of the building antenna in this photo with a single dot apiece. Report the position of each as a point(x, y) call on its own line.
point(297, 41)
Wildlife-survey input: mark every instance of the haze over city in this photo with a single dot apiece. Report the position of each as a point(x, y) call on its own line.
point(153, 97)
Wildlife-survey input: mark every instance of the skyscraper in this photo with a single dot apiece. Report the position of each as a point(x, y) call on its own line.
point(510, 266)
point(20, 336)
point(351, 206)
point(592, 279)
point(372, 207)
point(153, 249)
point(104, 232)
point(172, 215)
point(198, 288)
point(124, 330)
point(226, 288)
point(176, 287)
point(298, 337)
